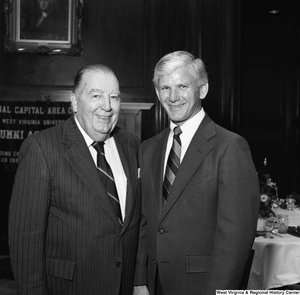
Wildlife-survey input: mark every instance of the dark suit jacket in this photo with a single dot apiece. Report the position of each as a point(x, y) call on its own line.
point(202, 239)
point(63, 235)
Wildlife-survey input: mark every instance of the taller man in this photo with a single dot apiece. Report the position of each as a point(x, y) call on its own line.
point(200, 207)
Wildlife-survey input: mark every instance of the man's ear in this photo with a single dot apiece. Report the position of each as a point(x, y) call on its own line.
point(73, 102)
point(203, 91)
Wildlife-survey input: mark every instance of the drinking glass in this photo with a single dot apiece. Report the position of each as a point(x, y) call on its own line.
point(269, 225)
point(283, 223)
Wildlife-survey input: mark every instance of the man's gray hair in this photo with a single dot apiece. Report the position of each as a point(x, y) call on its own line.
point(177, 60)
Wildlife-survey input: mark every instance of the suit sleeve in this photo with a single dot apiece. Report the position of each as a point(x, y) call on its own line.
point(238, 205)
point(28, 215)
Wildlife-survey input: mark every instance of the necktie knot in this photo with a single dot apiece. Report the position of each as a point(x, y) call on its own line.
point(177, 131)
point(99, 146)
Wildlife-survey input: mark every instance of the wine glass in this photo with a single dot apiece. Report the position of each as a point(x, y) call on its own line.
point(269, 226)
point(283, 223)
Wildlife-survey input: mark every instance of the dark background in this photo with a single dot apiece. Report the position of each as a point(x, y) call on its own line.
point(252, 57)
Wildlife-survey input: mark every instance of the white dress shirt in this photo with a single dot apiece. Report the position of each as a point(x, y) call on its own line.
point(114, 161)
point(188, 129)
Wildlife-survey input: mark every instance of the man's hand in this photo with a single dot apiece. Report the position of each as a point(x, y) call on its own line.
point(140, 290)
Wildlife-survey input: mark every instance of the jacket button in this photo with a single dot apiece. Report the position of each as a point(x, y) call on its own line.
point(118, 264)
point(161, 231)
point(154, 261)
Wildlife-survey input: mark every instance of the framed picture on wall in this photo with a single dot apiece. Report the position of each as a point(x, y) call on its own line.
point(43, 26)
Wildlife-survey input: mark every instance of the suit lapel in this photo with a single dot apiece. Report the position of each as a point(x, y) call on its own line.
point(79, 157)
point(196, 153)
point(157, 159)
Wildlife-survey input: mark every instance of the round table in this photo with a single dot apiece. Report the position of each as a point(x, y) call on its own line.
point(276, 261)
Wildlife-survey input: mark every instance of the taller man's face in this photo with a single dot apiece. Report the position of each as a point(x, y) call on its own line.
point(180, 95)
point(98, 105)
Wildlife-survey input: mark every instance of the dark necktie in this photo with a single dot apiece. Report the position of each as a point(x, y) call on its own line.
point(108, 178)
point(173, 163)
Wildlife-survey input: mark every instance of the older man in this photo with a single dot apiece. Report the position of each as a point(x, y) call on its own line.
point(72, 229)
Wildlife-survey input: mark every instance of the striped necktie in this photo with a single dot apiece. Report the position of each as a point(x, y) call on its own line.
point(108, 178)
point(173, 163)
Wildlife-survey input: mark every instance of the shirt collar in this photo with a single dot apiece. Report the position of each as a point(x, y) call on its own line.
point(190, 127)
point(86, 137)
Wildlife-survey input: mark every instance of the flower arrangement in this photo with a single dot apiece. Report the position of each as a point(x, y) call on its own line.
point(268, 194)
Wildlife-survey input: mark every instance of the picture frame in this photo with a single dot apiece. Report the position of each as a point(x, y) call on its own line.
point(43, 26)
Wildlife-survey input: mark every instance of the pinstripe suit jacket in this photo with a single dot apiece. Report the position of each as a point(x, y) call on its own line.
point(63, 235)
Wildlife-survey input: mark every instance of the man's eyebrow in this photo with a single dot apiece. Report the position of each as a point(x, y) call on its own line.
point(95, 90)
point(115, 92)
point(163, 85)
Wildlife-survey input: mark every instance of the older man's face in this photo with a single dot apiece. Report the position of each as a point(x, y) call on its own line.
point(98, 105)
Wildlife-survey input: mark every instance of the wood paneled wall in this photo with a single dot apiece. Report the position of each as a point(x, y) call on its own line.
point(114, 33)
point(129, 36)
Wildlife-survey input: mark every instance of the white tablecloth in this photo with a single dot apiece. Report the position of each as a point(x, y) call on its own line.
point(276, 261)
